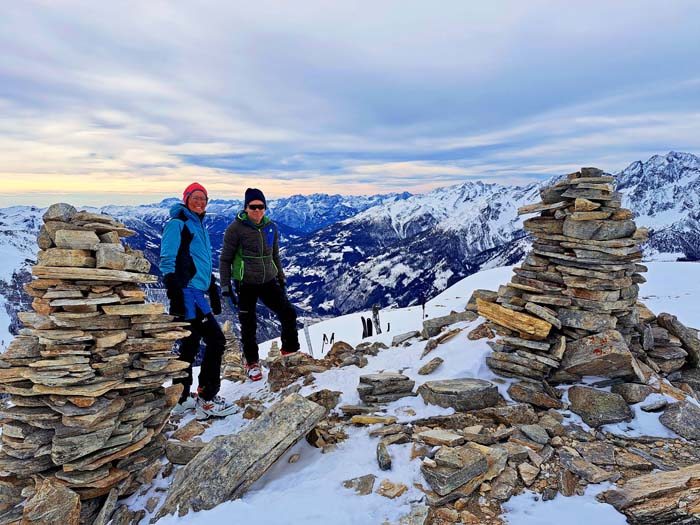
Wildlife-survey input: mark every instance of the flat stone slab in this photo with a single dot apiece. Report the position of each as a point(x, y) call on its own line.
point(597, 407)
point(604, 354)
point(590, 321)
point(460, 394)
point(228, 465)
point(444, 480)
point(437, 436)
point(432, 327)
point(600, 230)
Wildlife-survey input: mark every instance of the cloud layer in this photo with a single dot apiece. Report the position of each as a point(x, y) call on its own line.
point(116, 102)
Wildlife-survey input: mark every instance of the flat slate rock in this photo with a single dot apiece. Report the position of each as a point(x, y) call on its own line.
point(597, 407)
point(461, 394)
point(601, 230)
point(228, 465)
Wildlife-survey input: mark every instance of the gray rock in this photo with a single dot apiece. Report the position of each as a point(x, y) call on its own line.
point(688, 337)
point(632, 392)
point(600, 230)
point(229, 464)
point(516, 414)
point(683, 418)
point(604, 354)
point(444, 480)
point(534, 393)
point(59, 212)
point(110, 256)
point(536, 433)
point(592, 322)
point(583, 469)
point(182, 452)
point(402, 338)
point(461, 394)
point(432, 327)
point(597, 407)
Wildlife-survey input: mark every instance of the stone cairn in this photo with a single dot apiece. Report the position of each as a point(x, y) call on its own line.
point(571, 308)
point(232, 367)
point(85, 375)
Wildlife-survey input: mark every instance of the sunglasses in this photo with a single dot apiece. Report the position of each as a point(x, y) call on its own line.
point(256, 206)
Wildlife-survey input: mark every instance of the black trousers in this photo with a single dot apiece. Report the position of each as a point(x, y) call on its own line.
point(203, 327)
point(272, 295)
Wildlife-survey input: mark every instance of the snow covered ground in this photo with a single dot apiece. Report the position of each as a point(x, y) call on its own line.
point(310, 491)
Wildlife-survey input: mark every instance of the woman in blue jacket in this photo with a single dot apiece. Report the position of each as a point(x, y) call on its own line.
point(185, 262)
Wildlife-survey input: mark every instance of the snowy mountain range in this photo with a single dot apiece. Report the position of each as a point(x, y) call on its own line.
point(344, 254)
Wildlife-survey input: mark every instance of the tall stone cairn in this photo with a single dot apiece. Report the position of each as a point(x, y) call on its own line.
point(571, 308)
point(85, 374)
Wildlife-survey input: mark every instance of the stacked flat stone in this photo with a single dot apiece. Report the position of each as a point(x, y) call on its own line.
point(85, 374)
point(232, 367)
point(384, 387)
point(576, 292)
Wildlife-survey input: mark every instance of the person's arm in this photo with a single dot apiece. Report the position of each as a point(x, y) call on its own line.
point(228, 252)
point(169, 246)
point(281, 278)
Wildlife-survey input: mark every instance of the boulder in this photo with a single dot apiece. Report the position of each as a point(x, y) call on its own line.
point(604, 354)
point(597, 407)
point(461, 394)
point(688, 337)
point(683, 418)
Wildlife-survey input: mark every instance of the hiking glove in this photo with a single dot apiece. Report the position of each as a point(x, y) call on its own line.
point(230, 297)
point(175, 295)
point(214, 298)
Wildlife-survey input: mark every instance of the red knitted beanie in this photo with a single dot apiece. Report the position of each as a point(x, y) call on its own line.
point(195, 186)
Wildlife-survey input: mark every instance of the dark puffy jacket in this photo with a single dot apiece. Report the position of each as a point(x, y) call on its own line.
point(250, 252)
point(185, 249)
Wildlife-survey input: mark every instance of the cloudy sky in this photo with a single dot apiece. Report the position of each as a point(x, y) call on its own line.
point(129, 101)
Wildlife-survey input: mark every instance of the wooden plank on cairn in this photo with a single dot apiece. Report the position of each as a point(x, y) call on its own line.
point(520, 322)
point(91, 274)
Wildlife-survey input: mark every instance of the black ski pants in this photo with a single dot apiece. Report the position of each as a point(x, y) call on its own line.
point(274, 297)
point(203, 327)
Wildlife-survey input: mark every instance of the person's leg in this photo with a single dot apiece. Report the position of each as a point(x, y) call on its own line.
point(272, 295)
point(210, 372)
point(188, 352)
point(247, 300)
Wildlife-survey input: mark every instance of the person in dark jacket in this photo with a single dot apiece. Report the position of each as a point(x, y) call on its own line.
point(185, 261)
point(250, 255)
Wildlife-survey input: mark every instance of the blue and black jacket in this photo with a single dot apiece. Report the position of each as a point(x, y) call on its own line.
point(185, 250)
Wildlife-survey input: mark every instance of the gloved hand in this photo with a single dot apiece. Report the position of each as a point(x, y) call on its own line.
point(282, 283)
point(230, 297)
point(175, 295)
point(214, 299)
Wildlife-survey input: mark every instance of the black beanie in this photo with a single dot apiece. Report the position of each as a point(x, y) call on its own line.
point(253, 194)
